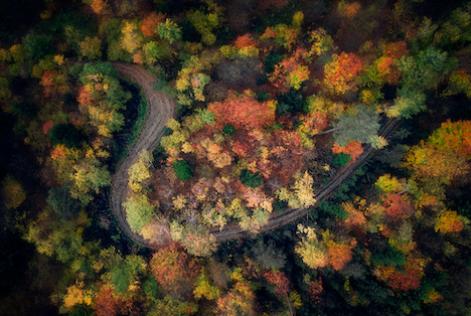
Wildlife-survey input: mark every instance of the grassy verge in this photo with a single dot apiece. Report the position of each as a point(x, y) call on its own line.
point(134, 122)
point(138, 123)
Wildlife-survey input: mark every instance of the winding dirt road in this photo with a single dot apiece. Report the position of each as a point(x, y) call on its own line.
point(160, 108)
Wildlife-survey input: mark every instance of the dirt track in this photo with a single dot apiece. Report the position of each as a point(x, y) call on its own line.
point(160, 108)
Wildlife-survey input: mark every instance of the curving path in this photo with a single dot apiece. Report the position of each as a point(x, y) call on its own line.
point(160, 108)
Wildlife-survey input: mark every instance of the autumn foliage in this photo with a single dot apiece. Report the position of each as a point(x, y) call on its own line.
point(316, 288)
point(243, 112)
point(279, 280)
point(174, 269)
point(449, 222)
point(349, 9)
point(356, 218)
point(445, 154)
point(340, 73)
point(397, 206)
point(324, 251)
point(47, 126)
point(405, 279)
point(77, 295)
point(245, 40)
point(238, 300)
point(354, 149)
point(271, 98)
point(99, 6)
point(105, 302)
point(291, 72)
point(237, 160)
point(340, 253)
point(454, 137)
point(54, 83)
point(386, 64)
point(149, 23)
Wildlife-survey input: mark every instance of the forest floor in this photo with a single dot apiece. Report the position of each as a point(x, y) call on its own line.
point(160, 108)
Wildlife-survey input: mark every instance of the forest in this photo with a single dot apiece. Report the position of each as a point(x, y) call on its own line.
point(235, 157)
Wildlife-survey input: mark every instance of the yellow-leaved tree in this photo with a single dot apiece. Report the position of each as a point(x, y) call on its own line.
point(301, 193)
point(139, 172)
point(450, 222)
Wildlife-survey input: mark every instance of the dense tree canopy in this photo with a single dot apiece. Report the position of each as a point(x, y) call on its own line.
point(279, 186)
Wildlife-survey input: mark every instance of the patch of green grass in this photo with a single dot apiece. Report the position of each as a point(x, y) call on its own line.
point(130, 136)
point(138, 123)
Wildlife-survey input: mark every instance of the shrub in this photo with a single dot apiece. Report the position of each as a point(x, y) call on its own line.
point(182, 170)
point(228, 129)
point(341, 159)
point(251, 179)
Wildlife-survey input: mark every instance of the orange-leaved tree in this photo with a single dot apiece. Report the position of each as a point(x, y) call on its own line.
point(243, 112)
point(149, 23)
point(174, 270)
point(354, 149)
point(106, 303)
point(291, 72)
point(341, 72)
point(444, 155)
